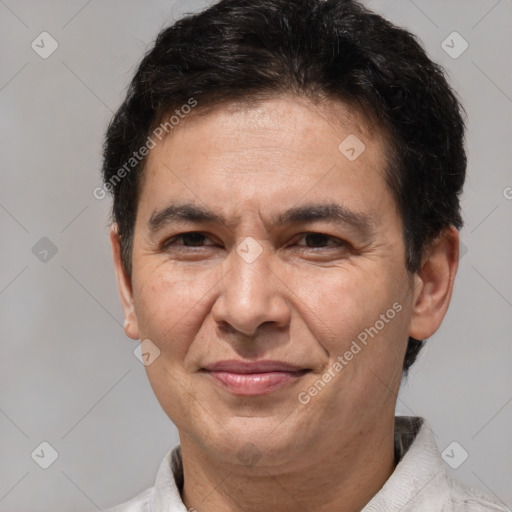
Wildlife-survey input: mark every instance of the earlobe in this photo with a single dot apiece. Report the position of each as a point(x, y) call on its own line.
point(434, 284)
point(124, 284)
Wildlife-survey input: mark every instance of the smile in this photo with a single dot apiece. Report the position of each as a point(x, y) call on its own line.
point(248, 384)
point(250, 378)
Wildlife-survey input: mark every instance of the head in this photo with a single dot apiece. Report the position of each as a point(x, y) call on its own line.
point(272, 119)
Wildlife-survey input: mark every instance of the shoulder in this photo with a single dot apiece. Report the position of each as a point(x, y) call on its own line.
point(140, 503)
point(470, 499)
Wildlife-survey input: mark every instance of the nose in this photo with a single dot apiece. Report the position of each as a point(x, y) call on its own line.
point(252, 294)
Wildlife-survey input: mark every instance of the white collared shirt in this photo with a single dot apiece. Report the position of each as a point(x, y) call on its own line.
point(419, 483)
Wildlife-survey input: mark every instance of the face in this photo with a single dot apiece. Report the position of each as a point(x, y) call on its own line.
point(269, 273)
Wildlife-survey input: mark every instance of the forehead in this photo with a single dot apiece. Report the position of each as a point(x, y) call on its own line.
point(278, 151)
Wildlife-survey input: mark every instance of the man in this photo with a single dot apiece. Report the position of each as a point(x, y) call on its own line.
point(286, 179)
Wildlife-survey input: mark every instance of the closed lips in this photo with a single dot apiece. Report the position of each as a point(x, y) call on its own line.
point(252, 367)
point(253, 378)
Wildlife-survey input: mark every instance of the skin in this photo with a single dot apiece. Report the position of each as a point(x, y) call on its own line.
point(302, 301)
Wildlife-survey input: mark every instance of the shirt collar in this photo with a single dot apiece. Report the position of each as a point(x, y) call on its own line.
point(419, 481)
point(169, 483)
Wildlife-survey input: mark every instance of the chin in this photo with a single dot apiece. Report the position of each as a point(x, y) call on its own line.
point(253, 447)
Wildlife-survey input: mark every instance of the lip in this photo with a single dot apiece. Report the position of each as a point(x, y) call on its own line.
point(262, 366)
point(250, 378)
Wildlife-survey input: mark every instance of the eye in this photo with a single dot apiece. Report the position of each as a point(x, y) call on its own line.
point(196, 239)
point(320, 240)
point(190, 239)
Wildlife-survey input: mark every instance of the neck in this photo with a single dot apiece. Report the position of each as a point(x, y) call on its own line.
point(336, 475)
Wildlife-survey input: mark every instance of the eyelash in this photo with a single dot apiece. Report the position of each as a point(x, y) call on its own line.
point(170, 242)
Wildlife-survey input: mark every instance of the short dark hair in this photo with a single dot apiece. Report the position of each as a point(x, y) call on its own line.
point(331, 49)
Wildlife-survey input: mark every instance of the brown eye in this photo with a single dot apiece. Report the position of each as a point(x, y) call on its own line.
point(320, 240)
point(191, 239)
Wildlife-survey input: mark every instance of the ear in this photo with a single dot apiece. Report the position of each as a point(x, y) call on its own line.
point(433, 284)
point(124, 284)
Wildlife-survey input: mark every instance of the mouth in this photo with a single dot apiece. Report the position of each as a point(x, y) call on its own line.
point(253, 378)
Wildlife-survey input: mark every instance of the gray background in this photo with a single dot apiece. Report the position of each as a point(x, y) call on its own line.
point(68, 375)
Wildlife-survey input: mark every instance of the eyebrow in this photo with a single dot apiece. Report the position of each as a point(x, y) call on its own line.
point(182, 213)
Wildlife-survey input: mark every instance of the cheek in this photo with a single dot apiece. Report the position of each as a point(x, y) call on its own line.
point(339, 303)
point(362, 319)
point(166, 304)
